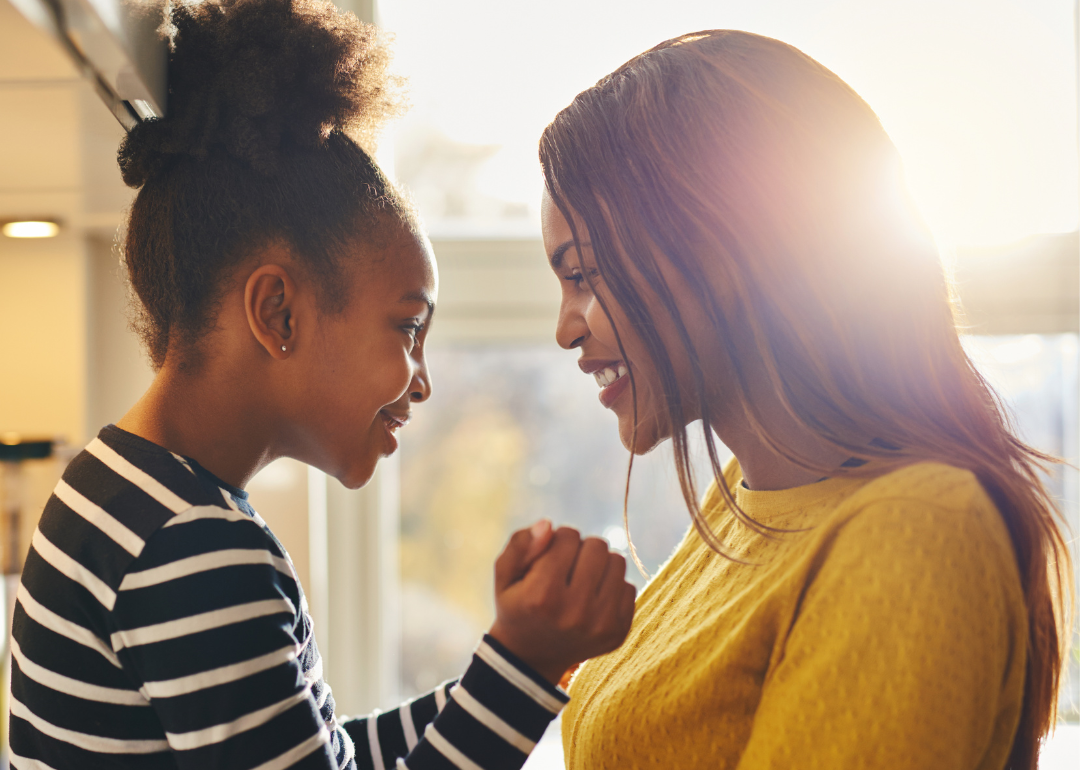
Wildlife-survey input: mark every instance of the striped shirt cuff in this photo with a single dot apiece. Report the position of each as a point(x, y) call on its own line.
point(554, 691)
point(495, 715)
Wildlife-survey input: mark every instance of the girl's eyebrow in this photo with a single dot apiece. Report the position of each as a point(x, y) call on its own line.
point(557, 255)
point(420, 296)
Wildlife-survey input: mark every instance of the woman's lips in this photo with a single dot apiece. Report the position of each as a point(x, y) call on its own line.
point(611, 376)
point(610, 393)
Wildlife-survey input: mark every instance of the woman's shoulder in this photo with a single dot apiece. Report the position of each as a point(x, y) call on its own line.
point(946, 498)
point(928, 502)
point(917, 508)
point(945, 485)
point(926, 512)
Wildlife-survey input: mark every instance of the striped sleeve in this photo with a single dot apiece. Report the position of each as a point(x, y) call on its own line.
point(491, 719)
point(160, 624)
point(216, 638)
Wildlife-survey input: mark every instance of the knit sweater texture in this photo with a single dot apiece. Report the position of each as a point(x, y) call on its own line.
point(885, 629)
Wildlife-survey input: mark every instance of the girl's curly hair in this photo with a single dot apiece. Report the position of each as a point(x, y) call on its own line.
point(271, 105)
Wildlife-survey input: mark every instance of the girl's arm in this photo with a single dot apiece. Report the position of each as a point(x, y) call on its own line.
point(568, 604)
point(493, 717)
point(210, 625)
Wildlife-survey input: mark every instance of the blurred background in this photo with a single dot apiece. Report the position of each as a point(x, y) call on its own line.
point(980, 96)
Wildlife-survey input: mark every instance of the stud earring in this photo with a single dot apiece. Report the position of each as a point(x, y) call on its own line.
point(282, 348)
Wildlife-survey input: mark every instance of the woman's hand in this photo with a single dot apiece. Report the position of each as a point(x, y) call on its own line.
point(560, 599)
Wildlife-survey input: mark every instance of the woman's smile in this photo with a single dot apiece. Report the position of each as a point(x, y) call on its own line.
point(610, 376)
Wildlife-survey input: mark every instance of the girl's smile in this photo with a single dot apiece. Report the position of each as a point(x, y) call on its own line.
point(391, 422)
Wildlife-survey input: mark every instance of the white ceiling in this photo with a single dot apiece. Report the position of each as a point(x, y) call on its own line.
point(57, 140)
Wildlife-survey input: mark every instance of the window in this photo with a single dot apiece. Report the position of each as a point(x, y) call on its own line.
point(979, 97)
point(1036, 375)
point(513, 433)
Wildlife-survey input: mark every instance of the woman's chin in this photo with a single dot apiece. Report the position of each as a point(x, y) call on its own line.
point(646, 440)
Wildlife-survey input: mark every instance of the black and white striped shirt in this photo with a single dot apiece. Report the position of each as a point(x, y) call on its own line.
point(160, 624)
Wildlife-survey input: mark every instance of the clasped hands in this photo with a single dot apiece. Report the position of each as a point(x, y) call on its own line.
point(560, 599)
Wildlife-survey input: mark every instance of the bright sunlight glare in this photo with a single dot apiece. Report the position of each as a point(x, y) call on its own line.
point(979, 95)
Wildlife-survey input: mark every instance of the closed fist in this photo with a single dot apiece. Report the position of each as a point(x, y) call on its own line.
point(560, 599)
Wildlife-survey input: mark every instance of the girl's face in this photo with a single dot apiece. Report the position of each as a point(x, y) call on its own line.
point(366, 365)
point(584, 325)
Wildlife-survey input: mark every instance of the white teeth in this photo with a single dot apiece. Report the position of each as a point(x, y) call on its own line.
point(608, 375)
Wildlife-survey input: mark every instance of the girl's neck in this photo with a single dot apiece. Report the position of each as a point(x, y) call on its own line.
point(201, 417)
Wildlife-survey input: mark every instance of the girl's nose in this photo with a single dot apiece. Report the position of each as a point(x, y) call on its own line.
point(420, 387)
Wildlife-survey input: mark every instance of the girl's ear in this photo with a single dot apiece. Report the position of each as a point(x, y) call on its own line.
point(269, 300)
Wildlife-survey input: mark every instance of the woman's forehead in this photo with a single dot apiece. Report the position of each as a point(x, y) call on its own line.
point(559, 237)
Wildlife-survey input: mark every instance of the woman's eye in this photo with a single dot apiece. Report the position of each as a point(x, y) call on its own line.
point(578, 278)
point(413, 329)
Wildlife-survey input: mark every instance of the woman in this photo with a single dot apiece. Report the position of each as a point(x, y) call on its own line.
point(876, 580)
point(285, 294)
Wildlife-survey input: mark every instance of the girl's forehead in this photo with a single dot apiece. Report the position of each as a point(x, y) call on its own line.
point(406, 265)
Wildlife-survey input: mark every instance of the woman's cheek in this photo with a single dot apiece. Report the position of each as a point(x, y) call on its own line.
point(599, 324)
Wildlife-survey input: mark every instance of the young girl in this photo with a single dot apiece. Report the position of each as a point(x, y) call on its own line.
point(878, 579)
point(285, 295)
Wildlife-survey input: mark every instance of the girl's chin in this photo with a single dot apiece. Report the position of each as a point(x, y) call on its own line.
point(356, 477)
point(358, 469)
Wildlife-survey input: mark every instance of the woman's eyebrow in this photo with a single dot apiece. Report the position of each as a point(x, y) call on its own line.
point(556, 258)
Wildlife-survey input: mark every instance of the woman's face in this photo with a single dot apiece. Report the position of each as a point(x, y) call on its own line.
point(584, 326)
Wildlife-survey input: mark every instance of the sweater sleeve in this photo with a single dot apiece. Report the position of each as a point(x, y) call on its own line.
point(907, 636)
point(491, 718)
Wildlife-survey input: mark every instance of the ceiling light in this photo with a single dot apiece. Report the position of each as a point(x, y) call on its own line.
point(31, 229)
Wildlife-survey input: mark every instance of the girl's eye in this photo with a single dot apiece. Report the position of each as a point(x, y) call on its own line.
point(413, 329)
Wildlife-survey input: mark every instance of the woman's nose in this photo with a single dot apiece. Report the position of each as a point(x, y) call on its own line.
point(571, 330)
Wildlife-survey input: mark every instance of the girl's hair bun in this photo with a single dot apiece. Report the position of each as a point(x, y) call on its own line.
point(251, 78)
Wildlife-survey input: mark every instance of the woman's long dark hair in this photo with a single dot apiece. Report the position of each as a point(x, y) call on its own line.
point(772, 189)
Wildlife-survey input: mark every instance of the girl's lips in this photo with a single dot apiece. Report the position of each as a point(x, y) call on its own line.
point(391, 439)
point(390, 424)
point(610, 393)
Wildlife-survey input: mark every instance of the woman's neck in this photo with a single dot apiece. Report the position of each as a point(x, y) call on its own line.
point(762, 467)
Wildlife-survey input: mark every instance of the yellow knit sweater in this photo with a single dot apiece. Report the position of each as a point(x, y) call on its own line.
point(891, 633)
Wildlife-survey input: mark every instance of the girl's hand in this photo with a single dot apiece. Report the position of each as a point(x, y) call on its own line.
point(560, 599)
